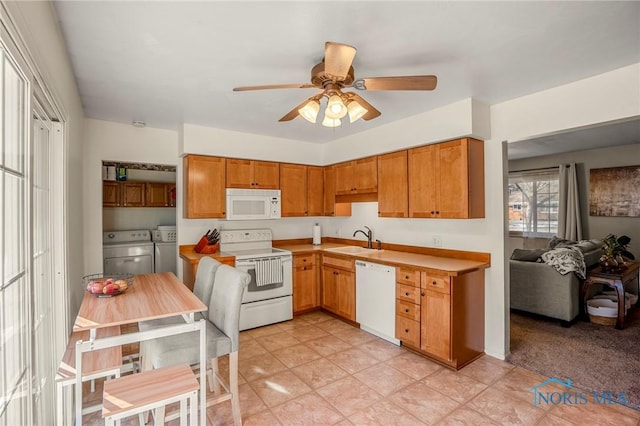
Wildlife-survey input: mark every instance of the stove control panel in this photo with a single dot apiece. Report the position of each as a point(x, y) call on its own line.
point(245, 236)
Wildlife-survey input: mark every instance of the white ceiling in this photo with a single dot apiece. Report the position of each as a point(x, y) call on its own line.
point(169, 63)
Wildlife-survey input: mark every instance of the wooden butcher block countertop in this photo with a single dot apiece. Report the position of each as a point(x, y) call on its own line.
point(454, 262)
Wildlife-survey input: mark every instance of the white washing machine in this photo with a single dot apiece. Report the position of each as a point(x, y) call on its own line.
point(128, 251)
point(166, 257)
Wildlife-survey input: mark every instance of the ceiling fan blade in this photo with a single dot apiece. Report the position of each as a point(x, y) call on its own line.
point(337, 59)
point(275, 86)
point(371, 111)
point(416, 82)
point(294, 112)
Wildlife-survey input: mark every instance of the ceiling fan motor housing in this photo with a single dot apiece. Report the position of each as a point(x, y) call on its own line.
point(320, 78)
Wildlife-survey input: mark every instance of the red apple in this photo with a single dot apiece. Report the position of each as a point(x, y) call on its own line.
point(111, 288)
point(95, 287)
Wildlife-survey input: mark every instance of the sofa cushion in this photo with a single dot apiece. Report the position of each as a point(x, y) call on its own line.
point(528, 255)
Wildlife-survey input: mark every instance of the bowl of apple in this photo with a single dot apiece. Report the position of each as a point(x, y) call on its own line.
point(107, 285)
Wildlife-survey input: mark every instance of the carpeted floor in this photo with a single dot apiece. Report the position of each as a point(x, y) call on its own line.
point(595, 357)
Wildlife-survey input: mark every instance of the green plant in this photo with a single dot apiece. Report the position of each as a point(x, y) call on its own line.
point(615, 247)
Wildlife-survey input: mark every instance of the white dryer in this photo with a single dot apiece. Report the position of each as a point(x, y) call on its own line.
point(166, 254)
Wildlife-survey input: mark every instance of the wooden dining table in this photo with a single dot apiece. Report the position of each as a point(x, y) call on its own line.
point(152, 296)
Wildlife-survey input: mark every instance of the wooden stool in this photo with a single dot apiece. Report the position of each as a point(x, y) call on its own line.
point(137, 393)
point(102, 363)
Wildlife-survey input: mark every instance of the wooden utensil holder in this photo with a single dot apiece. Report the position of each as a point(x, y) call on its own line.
point(204, 247)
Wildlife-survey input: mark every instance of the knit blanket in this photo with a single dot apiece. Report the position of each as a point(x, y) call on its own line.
point(565, 260)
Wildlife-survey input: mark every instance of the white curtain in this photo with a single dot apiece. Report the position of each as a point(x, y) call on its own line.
point(569, 223)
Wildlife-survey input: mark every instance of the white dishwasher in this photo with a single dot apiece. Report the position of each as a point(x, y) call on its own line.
point(376, 299)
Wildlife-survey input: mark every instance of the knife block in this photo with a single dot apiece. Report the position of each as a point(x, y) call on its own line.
point(204, 247)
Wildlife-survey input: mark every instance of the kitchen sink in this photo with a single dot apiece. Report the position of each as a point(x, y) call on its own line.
point(352, 250)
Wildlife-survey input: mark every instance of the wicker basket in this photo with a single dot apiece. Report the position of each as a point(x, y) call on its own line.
point(602, 320)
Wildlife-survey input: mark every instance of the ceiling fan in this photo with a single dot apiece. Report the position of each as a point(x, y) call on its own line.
point(333, 75)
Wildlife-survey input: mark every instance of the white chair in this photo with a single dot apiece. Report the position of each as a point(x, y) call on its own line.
point(202, 288)
point(223, 336)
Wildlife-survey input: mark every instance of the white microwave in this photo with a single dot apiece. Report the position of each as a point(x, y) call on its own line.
point(253, 204)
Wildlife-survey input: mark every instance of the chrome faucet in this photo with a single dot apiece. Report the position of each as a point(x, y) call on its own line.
point(367, 234)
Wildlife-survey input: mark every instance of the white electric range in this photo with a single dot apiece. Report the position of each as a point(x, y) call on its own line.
point(269, 297)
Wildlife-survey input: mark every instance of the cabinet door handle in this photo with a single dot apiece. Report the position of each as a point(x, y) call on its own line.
point(437, 212)
point(304, 268)
point(406, 330)
point(406, 277)
point(422, 294)
point(406, 310)
point(432, 212)
point(406, 294)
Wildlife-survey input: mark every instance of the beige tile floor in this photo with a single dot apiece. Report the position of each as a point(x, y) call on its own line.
point(317, 370)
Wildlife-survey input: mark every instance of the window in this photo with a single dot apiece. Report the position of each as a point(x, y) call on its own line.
point(33, 312)
point(533, 203)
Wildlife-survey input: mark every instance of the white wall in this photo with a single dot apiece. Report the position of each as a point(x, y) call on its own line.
point(107, 141)
point(38, 25)
point(441, 124)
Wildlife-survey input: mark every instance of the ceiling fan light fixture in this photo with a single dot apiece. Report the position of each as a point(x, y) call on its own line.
point(310, 111)
point(356, 111)
point(330, 122)
point(335, 107)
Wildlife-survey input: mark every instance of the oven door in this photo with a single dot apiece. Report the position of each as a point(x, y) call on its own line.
point(255, 292)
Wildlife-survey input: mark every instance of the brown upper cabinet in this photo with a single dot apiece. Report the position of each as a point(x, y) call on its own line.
point(110, 194)
point(123, 194)
point(393, 198)
point(357, 176)
point(204, 187)
point(315, 191)
point(293, 187)
point(446, 180)
point(301, 190)
point(159, 194)
point(331, 208)
point(252, 174)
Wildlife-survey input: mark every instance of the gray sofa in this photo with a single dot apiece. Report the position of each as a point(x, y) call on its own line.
point(538, 288)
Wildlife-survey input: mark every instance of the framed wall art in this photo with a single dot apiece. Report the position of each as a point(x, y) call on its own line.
point(614, 191)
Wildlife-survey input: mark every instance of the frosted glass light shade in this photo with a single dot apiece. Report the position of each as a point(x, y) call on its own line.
point(330, 122)
point(335, 108)
point(356, 110)
point(310, 111)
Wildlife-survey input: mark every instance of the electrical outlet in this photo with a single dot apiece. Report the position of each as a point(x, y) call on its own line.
point(437, 241)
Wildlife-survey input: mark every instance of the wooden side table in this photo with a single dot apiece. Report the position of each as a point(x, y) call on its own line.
point(617, 280)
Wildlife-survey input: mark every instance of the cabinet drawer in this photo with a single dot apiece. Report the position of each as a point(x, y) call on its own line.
point(338, 262)
point(434, 282)
point(303, 260)
point(408, 310)
point(408, 331)
point(408, 293)
point(408, 276)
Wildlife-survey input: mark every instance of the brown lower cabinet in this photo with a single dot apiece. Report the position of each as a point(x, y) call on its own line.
point(339, 286)
point(305, 283)
point(441, 315)
point(190, 260)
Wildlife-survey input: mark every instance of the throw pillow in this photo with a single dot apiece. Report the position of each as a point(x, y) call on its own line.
point(555, 241)
point(532, 255)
